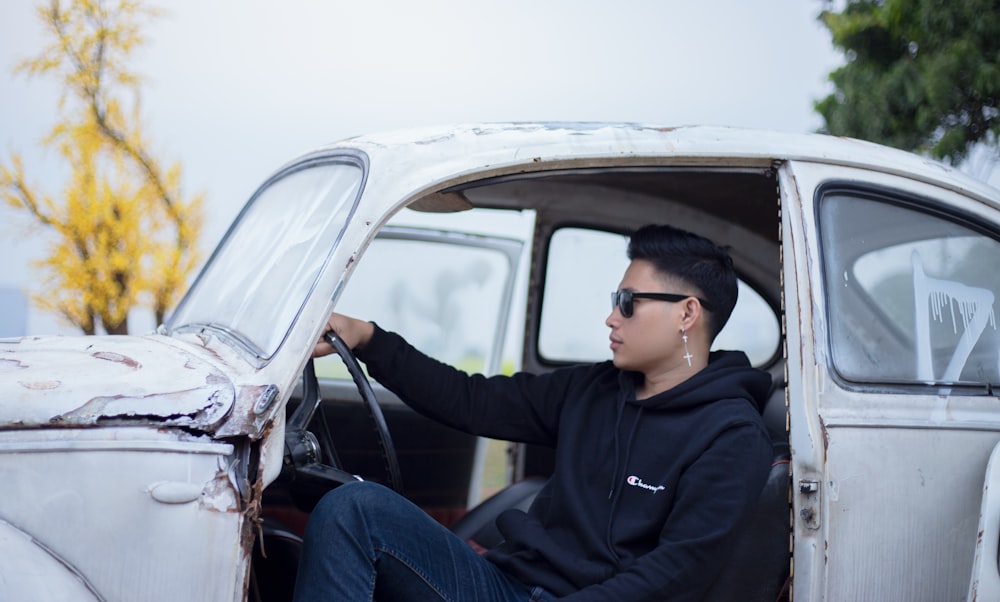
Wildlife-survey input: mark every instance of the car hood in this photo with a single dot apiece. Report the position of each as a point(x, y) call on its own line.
point(86, 381)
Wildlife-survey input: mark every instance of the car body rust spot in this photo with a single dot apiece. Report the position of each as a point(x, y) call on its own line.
point(40, 385)
point(118, 358)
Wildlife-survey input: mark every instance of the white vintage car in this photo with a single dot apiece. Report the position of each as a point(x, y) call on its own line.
point(152, 467)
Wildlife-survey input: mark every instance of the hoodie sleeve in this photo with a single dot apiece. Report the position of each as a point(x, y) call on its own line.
point(714, 495)
point(522, 407)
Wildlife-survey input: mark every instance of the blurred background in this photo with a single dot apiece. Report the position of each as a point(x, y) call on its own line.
point(234, 89)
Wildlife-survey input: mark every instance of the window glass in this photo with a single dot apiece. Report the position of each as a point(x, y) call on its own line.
point(444, 296)
point(911, 294)
point(259, 278)
point(585, 266)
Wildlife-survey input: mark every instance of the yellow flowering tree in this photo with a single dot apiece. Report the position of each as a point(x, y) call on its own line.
point(125, 235)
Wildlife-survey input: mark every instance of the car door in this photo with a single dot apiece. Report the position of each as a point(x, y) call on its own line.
point(893, 360)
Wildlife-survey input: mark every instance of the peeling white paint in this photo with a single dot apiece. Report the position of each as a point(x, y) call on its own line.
point(78, 381)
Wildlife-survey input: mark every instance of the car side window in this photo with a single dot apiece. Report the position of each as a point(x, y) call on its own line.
point(445, 294)
point(911, 292)
point(585, 266)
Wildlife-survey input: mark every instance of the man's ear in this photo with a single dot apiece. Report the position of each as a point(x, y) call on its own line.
point(692, 312)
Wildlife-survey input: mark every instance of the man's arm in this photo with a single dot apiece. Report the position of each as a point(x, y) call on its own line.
point(522, 407)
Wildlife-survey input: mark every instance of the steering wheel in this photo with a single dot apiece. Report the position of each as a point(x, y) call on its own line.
point(302, 449)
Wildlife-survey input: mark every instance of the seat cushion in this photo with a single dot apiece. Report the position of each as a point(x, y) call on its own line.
point(478, 526)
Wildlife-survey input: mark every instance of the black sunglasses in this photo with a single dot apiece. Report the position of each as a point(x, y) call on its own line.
point(624, 300)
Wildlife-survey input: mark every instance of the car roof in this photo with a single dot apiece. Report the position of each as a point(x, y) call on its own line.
point(478, 150)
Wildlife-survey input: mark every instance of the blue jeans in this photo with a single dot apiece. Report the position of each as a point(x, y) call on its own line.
point(364, 541)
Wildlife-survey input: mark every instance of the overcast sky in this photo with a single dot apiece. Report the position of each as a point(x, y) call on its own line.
point(235, 88)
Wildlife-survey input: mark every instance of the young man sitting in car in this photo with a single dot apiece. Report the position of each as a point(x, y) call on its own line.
point(660, 454)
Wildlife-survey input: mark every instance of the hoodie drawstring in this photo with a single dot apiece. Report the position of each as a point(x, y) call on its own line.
point(618, 422)
point(620, 473)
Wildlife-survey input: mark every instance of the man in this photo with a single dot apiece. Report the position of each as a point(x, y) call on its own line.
point(660, 454)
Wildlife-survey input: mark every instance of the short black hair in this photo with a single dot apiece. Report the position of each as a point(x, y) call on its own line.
point(693, 259)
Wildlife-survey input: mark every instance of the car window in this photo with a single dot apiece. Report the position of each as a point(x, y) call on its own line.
point(260, 276)
point(912, 293)
point(585, 266)
point(445, 293)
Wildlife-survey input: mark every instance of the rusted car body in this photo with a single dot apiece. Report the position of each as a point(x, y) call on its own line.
point(149, 467)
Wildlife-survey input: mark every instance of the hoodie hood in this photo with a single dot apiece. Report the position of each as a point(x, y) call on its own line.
point(728, 375)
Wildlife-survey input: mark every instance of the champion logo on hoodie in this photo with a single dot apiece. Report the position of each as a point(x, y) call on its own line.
point(635, 481)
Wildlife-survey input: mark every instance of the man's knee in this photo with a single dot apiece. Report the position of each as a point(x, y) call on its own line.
point(350, 501)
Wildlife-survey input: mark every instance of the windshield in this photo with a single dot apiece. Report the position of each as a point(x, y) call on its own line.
point(260, 276)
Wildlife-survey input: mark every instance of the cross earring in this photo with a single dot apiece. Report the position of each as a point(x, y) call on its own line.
point(684, 337)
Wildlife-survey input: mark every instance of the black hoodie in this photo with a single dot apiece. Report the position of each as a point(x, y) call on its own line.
point(645, 495)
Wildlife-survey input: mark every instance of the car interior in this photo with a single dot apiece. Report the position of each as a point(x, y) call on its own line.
point(506, 311)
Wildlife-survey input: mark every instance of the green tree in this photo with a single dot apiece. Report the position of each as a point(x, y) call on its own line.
point(921, 75)
point(124, 235)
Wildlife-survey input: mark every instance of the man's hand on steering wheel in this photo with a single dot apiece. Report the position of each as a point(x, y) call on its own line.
point(355, 333)
point(342, 336)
